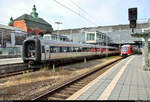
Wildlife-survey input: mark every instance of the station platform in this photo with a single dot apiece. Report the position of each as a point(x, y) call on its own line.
point(125, 81)
point(10, 61)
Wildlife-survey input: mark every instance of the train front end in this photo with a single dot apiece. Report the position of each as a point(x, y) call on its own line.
point(126, 50)
point(31, 52)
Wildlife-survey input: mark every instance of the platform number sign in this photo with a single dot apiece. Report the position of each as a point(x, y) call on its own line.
point(132, 13)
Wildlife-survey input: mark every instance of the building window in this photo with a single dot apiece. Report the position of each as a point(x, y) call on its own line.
point(98, 37)
point(90, 36)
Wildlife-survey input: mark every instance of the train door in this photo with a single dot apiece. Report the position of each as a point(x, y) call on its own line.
point(131, 50)
point(47, 52)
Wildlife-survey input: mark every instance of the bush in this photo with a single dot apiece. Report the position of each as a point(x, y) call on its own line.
point(0, 52)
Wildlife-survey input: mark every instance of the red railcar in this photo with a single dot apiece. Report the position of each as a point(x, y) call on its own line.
point(126, 50)
point(94, 50)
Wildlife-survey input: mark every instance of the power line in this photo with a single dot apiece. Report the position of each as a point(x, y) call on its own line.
point(74, 12)
point(83, 10)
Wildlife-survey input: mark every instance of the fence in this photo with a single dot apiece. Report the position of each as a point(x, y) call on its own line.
point(11, 51)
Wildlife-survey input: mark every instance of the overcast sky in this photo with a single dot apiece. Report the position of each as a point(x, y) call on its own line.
point(96, 12)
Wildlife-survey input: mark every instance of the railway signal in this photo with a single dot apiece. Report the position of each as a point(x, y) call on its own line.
point(132, 16)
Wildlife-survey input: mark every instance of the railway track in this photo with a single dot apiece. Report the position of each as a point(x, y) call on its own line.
point(15, 73)
point(12, 69)
point(7, 70)
point(11, 65)
point(69, 87)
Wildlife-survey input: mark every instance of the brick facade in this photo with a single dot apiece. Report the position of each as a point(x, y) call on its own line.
point(31, 23)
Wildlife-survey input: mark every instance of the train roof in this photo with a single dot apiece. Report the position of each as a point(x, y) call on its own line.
point(62, 43)
point(126, 45)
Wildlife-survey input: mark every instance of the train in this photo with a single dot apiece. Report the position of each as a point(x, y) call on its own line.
point(127, 50)
point(37, 50)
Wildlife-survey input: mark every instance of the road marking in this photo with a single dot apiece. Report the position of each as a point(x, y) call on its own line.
point(110, 87)
point(82, 90)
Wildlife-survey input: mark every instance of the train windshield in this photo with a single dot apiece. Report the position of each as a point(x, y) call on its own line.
point(31, 49)
point(125, 49)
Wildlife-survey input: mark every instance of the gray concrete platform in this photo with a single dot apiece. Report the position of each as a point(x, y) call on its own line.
point(3, 56)
point(125, 81)
point(10, 61)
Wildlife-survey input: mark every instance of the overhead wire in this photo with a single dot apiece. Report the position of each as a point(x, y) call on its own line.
point(75, 12)
point(83, 10)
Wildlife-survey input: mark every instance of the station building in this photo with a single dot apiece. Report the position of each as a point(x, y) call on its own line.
point(56, 37)
point(12, 36)
point(115, 35)
point(89, 37)
point(31, 23)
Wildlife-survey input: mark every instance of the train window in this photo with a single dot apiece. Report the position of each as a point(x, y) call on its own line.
point(43, 49)
point(31, 46)
point(60, 49)
point(51, 49)
point(124, 49)
point(76, 49)
point(71, 49)
point(68, 49)
point(65, 49)
point(79, 49)
point(111, 49)
point(56, 49)
point(85, 49)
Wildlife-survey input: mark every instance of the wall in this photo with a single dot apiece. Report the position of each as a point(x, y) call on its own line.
point(20, 24)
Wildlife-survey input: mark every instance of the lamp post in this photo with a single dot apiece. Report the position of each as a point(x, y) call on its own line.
point(71, 35)
point(106, 45)
point(146, 35)
point(119, 42)
point(58, 23)
point(2, 39)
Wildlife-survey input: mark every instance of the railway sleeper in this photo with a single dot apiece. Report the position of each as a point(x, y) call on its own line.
point(58, 95)
point(67, 92)
point(71, 89)
point(75, 86)
point(85, 81)
point(54, 98)
point(79, 85)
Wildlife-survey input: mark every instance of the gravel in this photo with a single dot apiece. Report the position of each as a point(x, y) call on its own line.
point(22, 86)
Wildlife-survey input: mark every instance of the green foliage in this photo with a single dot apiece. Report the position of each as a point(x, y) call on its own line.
point(25, 74)
point(0, 52)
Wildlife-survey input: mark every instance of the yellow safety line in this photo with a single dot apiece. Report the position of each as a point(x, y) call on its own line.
point(82, 90)
point(110, 87)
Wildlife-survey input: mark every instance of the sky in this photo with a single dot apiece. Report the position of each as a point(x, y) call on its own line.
point(76, 13)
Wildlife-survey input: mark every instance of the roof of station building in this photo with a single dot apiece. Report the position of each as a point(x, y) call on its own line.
point(124, 36)
point(33, 21)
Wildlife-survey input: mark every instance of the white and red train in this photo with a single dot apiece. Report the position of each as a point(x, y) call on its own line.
point(127, 50)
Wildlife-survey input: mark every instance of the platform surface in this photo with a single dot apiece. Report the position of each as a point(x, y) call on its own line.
point(10, 61)
point(125, 81)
